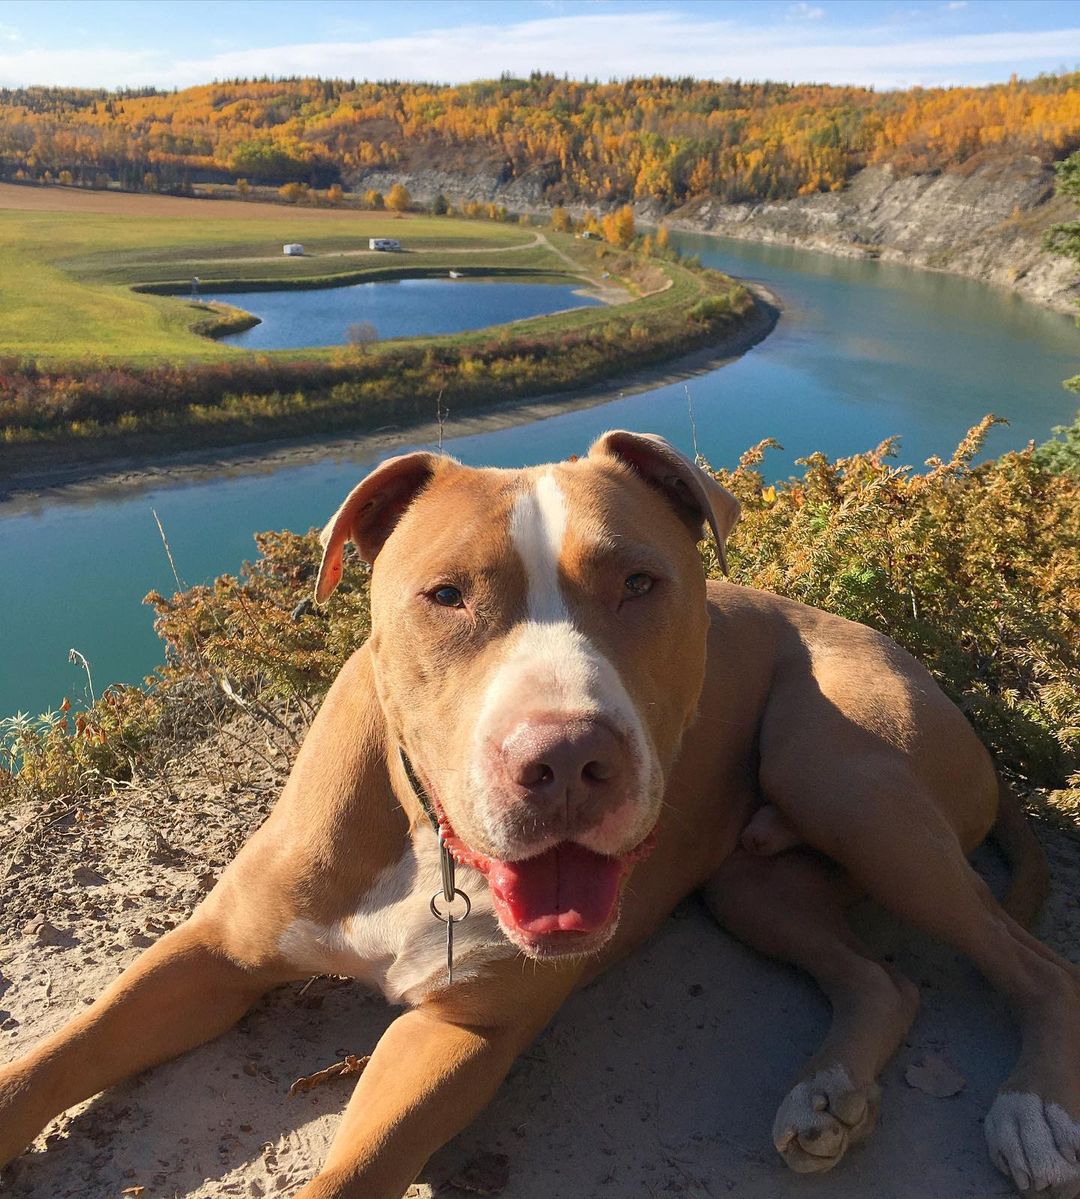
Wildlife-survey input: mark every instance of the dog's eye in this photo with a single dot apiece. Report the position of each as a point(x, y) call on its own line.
point(638, 584)
point(447, 597)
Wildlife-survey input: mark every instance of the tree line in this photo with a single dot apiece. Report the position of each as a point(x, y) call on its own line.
point(667, 140)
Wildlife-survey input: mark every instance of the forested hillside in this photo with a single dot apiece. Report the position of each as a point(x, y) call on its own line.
point(668, 140)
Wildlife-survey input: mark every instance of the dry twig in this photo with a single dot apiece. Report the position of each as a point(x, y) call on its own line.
point(351, 1067)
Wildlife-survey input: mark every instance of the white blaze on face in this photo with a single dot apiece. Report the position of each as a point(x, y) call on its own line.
point(537, 532)
point(552, 667)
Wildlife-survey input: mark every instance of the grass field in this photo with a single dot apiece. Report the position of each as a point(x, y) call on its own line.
point(103, 351)
point(69, 260)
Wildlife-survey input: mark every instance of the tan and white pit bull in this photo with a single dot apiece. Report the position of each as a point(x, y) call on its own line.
point(580, 708)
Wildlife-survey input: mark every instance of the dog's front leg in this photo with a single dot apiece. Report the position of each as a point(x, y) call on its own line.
point(431, 1074)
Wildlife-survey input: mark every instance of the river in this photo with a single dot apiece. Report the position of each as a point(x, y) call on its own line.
point(864, 350)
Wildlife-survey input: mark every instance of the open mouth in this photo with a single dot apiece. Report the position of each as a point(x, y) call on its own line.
point(563, 900)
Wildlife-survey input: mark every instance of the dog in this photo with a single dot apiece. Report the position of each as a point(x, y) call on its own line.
point(554, 700)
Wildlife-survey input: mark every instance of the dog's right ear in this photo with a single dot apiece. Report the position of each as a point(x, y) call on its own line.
point(370, 512)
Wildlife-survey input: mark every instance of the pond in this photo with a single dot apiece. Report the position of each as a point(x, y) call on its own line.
point(864, 350)
point(293, 319)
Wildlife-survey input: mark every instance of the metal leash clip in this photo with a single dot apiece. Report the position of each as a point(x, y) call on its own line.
point(448, 894)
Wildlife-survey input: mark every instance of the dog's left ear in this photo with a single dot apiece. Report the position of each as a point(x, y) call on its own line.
point(693, 493)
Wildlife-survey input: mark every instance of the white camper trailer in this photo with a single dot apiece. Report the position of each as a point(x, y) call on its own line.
point(292, 249)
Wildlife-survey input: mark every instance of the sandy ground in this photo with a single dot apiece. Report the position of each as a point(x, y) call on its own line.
point(51, 478)
point(661, 1079)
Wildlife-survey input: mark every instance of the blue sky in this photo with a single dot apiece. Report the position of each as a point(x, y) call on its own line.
point(885, 43)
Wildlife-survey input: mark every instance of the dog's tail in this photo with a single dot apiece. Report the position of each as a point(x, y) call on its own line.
point(1030, 883)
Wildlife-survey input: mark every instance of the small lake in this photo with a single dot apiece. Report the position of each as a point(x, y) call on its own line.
point(864, 350)
point(294, 319)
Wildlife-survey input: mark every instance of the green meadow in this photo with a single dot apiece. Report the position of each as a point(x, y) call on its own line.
point(67, 278)
point(104, 350)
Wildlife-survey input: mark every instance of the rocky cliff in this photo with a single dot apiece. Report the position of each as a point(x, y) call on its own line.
point(987, 223)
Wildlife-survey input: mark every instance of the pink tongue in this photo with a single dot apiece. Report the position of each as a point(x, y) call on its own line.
point(567, 889)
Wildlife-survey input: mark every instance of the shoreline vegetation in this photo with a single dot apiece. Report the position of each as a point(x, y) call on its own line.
point(48, 472)
point(66, 415)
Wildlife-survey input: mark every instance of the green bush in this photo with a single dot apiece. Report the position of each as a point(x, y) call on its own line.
point(1062, 451)
point(712, 308)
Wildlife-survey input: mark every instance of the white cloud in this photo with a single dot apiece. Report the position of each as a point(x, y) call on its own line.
point(805, 12)
point(595, 45)
point(7, 34)
point(956, 5)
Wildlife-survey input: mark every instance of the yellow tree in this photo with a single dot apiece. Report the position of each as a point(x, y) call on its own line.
point(560, 220)
point(663, 238)
point(618, 226)
point(374, 199)
point(700, 177)
point(398, 198)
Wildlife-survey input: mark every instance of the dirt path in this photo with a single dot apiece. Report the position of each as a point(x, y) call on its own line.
point(659, 1080)
point(380, 255)
point(23, 198)
point(602, 289)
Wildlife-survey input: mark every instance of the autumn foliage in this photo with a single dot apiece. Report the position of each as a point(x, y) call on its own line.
point(618, 226)
point(656, 138)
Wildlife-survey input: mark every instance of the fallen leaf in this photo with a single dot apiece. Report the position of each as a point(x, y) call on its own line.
point(351, 1067)
point(132, 1190)
point(485, 1174)
point(935, 1075)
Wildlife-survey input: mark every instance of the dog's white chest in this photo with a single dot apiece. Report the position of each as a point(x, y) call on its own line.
point(392, 941)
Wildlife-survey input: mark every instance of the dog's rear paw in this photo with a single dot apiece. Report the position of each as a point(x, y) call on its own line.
point(1035, 1143)
point(822, 1118)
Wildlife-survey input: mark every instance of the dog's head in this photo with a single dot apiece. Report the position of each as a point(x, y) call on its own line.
point(538, 639)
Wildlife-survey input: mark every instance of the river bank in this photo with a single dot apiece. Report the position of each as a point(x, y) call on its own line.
point(47, 479)
point(987, 225)
point(985, 222)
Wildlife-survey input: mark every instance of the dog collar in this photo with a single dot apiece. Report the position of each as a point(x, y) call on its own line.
point(450, 890)
point(418, 789)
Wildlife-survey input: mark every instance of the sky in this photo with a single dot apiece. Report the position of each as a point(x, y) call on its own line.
point(880, 43)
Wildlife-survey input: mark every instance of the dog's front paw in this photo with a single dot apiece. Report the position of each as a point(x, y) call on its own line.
point(1035, 1143)
point(821, 1118)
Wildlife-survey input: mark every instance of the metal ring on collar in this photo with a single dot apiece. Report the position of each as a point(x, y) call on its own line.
point(448, 919)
